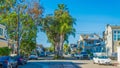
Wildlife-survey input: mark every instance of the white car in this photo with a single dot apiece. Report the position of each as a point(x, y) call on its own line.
point(33, 56)
point(102, 60)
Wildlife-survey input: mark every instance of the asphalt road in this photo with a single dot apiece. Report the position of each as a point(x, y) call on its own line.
point(47, 62)
point(64, 64)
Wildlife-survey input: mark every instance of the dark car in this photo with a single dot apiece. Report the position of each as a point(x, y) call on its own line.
point(42, 54)
point(84, 55)
point(8, 62)
point(14, 62)
point(21, 60)
point(72, 55)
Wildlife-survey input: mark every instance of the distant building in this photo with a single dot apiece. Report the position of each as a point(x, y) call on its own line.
point(91, 42)
point(73, 47)
point(3, 36)
point(112, 38)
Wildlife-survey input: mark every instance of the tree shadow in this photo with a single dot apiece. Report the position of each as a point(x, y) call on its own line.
point(51, 64)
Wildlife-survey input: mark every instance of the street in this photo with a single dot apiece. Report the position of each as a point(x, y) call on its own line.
point(68, 62)
point(65, 64)
point(49, 64)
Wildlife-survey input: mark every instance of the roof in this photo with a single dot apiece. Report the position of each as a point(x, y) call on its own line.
point(115, 27)
point(90, 36)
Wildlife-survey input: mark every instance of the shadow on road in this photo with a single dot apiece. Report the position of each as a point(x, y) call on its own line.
point(50, 64)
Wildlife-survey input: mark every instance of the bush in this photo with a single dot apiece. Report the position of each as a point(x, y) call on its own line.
point(58, 57)
point(5, 51)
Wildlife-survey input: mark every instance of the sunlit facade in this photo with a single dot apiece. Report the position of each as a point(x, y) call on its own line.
point(112, 38)
point(3, 36)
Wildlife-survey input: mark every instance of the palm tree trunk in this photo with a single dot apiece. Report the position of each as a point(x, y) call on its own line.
point(56, 49)
point(61, 45)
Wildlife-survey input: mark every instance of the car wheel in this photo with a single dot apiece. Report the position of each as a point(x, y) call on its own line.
point(93, 62)
point(10, 66)
point(16, 66)
point(99, 62)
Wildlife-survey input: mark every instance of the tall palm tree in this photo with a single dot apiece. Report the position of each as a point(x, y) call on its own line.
point(58, 27)
point(65, 27)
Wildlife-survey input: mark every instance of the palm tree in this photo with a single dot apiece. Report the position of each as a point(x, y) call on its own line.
point(65, 27)
point(58, 27)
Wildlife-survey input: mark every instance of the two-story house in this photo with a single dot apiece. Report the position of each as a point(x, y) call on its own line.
point(112, 38)
point(91, 42)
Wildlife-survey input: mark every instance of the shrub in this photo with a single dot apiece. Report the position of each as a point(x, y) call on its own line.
point(5, 51)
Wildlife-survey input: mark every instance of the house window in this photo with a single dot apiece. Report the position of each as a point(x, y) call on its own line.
point(115, 32)
point(118, 37)
point(118, 32)
point(1, 32)
point(115, 37)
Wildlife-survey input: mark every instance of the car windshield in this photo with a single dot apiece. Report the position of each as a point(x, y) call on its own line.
point(103, 57)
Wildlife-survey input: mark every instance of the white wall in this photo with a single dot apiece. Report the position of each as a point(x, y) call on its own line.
point(109, 41)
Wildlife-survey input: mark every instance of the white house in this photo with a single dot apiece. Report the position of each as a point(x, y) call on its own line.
point(91, 42)
point(112, 38)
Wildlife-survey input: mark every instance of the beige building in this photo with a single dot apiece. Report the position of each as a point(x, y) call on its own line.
point(112, 39)
point(3, 36)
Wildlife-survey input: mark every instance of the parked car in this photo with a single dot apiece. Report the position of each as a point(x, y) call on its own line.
point(42, 54)
point(8, 62)
point(78, 56)
point(101, 60)
point(82, 55)
point(21, 60)
point(72, 55)
point(33, 56)
point(14, 62)
point(25, 59)
point(47, 53)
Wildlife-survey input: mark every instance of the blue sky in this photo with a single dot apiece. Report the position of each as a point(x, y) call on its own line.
point(91, 16)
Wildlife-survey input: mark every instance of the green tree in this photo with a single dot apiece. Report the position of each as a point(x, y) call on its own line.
point(65, 27)
point(28, 23)
point(6, 5)
point(5, 51)
point(51, 48)
point(58, 27)
point(65, 48)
